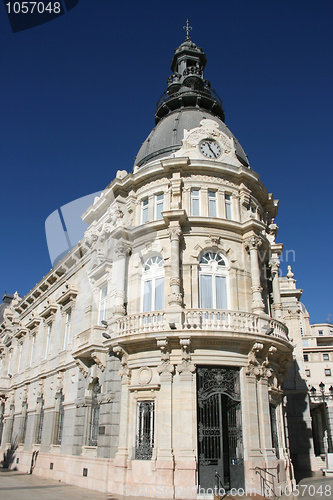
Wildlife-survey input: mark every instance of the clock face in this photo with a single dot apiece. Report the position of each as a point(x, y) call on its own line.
point(210, 148)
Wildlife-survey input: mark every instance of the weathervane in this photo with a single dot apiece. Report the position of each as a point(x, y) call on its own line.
point(188, 29)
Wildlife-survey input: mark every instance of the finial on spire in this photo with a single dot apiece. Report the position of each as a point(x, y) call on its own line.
point(188, 29)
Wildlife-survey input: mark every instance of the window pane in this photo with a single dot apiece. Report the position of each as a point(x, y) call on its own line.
point(159, 294)
point(159, 205)
point(144, 211)
point(195, 203)
point(206, 298)
point(221, 292)
point(195, 207)
point(228, 210)
point(212, 208)
point(147, 296)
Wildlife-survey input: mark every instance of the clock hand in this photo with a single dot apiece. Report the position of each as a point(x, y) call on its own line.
point(211, 149)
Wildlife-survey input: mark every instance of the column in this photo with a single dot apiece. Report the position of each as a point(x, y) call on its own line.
point(274, 264)
point(121, 250)
point(175, 297)
point(252, 244)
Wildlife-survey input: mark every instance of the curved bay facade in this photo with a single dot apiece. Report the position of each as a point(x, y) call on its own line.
point(152, 355)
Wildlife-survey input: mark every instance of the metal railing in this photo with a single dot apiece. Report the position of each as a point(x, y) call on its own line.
point(219, 487)
point(267, 485)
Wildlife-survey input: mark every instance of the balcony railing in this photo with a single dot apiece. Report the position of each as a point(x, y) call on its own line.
point(202, 320)
point(142, 323)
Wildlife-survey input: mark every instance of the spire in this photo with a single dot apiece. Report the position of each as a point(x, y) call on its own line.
point(187, 86)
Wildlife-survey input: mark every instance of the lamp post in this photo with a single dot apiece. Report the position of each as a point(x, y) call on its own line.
point(325, 398)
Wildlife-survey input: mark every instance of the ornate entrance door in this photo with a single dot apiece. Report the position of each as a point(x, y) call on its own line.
point(220, 445)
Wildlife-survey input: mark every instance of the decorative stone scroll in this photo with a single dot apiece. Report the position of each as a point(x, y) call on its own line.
point(258, 367)
point(165, 367)
point(186, 365)
point(125, 371)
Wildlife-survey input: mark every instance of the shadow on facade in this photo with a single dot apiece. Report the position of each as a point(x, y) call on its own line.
point(299, 423)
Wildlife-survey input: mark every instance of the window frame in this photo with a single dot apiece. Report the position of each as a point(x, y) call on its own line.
point(152, 276)
point(195, 198)
point(326, 356)
point(145, 210)
point(215, 271)
point(214, 199)
point(144, 450)
point(157, 203)
point(328, 372)
point(102, 303)
point(228, 205)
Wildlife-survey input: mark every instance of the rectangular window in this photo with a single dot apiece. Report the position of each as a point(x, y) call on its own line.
point(48, 340)
point(327, 372)
point(321, 332)
point(195, 202)
point(212, 204)
point(67, 328)
point(102, 304)
point(159, 204)
point(40, 423)
point(306, 357)
point(144, 211)
point(59, 421)
point(145, 430)
point(227, 201)
point(307, 373)
point(20, 358)
point(147, 296)
point(33, 340)
point(221, 292)
point(206, 291)
point(326, 357)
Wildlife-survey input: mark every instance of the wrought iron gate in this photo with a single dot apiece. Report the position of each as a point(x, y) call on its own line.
point(220, 444)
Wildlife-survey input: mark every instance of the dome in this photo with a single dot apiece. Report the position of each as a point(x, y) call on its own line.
point(167, 136)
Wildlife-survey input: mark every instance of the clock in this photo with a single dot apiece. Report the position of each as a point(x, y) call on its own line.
point(210, 148)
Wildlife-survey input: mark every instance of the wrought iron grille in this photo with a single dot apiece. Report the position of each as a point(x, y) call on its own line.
point(11, 426)
point(274, 431)
point(95, 408)
point(24, 425)
point(220, 443)
point(1, 421)
point(40, 423)
point(59, 420)
point(145, 430)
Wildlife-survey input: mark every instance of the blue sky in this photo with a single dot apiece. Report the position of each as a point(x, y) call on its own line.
point(78, 97)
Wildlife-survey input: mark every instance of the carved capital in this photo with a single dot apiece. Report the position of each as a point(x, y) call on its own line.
point(122, 248)
point(174, 233)
point(253, 243)
point(274, 264)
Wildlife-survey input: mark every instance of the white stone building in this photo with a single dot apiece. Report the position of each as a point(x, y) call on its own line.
point(153, 353)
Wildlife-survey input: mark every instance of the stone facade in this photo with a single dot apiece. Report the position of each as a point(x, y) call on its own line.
point(175, 279)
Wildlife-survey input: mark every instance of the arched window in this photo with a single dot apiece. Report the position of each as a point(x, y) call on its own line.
point(213, 281)
point(153, 284)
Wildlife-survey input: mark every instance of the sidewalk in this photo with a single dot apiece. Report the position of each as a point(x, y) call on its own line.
point(312, 488)
point(15, 485)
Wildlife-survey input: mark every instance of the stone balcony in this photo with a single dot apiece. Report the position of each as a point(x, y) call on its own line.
point(200, 321)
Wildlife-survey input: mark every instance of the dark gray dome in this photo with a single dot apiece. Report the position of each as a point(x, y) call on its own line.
point(167, 136)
